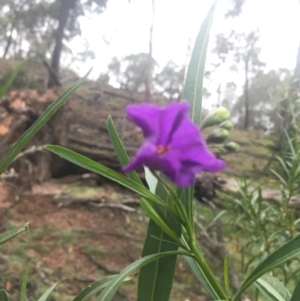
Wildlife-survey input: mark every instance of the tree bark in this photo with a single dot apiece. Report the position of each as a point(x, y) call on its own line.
point(65, 7)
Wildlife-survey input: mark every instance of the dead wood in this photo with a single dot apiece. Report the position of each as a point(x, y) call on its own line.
point(98, 202)
point(19, 124)
point(80, 125)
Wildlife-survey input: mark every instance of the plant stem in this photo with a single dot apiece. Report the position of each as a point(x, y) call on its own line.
point(207, 272)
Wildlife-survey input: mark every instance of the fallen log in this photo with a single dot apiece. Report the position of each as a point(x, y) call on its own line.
point(80, 126)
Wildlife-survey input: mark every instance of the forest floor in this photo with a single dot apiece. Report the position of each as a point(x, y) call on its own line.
point(75, 241)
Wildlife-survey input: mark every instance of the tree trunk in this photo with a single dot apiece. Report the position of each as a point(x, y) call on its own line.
point(149, 70)
point(246, 95)
point(65, 7)
point(8, 43)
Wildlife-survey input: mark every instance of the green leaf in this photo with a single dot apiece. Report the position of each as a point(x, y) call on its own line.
point(200, 276)
point(120, 150)
point(272, 288)
point(286, 252)
point(226, 274)
point(279, 177)
point(24, 284)
point(93, 288)
point(110, 290)
point(100, 169)
point(47, 293)
point(3, 295)
point(159, 218)
point(12, 233)
point(195, 73)
point(4, 89)
point(39, 123)
point(156, 278)
point(296, 293)
point(187, 196)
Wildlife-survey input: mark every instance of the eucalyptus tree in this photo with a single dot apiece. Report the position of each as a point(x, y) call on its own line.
point(169, 82)
point(265, 91)
point(243, 50)
point(38, 28)
point(130, 72)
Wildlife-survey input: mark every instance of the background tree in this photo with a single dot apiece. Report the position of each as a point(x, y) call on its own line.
point(149, 66)
point(265, 92)
point(236, 8)
point(44, 25)
point(130, 72)
point(245, 55)
point(169, 82)
point(68, 26)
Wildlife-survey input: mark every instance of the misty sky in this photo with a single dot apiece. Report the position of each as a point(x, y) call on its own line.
point(124, 29)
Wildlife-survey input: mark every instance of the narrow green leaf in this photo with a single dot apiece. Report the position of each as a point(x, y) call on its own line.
point(11, 79)
point(120, 150)
point(296, 293)
point(47, 293)
point(226, 275)
point(40, 122)
point(200, 276)
point(286, 252)
point(156, 278)
point(157, 216)
point(24, 284)
point(283, 165)
point(272, 288)
point(187, 196)
point(279, 177)
point(100, 169)
point(93, 288)
point(194, 78)
point(3, 295)
point(12, 233)
point(110, 290)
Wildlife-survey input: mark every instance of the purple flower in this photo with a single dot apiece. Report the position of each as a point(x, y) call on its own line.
point(173, 144)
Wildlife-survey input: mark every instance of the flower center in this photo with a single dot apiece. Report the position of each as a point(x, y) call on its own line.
point(161, 149)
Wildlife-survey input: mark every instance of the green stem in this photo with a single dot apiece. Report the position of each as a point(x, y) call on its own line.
point(211, 279)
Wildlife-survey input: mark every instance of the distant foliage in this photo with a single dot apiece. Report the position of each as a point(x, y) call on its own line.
point(129, 73)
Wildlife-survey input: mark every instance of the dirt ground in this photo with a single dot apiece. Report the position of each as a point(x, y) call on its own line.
point(71, 239)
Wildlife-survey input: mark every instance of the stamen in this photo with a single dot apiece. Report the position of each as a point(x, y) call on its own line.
point(161, 149)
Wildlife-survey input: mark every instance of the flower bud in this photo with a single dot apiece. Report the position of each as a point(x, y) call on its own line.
point(215, 117)
point(231, 146)
point(218, 135)
point(227, 125)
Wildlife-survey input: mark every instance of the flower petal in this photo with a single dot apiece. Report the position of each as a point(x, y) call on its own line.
point(169, 164)
point(170, 119)
point(145, 155)
point(186, 135)
point(184, 179)
point(146, 116)
point(203, 158)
